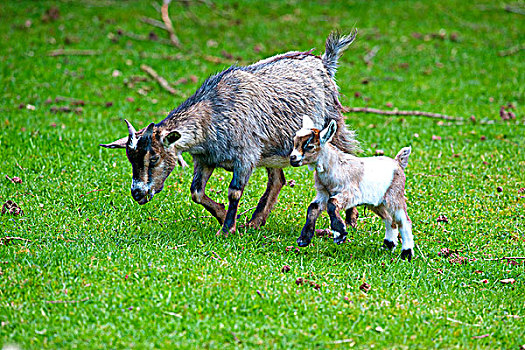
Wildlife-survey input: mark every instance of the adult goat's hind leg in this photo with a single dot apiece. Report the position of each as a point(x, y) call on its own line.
point(276, 181)
point(201, 175)
point(239, 181)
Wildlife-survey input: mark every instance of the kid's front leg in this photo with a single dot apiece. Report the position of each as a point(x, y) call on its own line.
point(314, 210)
point(336, 222)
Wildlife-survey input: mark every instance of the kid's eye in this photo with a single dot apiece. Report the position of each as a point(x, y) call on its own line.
point(308, 148)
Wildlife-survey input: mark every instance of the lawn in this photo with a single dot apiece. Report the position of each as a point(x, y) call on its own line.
point(90, 268)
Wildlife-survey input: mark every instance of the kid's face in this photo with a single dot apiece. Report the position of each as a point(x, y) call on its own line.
point(306, 148)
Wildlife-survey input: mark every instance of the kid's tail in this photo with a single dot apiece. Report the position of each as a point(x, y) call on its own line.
point(335, 45)
point(402, 156)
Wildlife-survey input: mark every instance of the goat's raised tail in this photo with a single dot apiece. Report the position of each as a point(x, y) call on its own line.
point(402, 156)
point(335, 45)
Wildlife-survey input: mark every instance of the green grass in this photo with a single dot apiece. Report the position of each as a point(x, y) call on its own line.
point(149, 276)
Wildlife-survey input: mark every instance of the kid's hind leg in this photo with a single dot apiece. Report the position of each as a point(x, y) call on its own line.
point(405, 227)
point(391, 231)
point(351, 217)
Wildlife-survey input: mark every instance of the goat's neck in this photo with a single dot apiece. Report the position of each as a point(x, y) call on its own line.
point(328, 159)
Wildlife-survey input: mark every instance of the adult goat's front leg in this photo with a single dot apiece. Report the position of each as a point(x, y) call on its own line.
point(239, 181)
point(276, 181)
point(201, 175)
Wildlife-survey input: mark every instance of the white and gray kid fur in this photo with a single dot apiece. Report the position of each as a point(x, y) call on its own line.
point(240, 119)
point(344, 181)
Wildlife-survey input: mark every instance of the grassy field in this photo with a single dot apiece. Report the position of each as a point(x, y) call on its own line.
point(96, 270)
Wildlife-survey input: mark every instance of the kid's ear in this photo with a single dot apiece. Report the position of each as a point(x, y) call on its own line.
point(327, 133)
point(307, 122)
point(171, 138)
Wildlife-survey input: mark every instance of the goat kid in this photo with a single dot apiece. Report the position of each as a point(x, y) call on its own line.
point(240, 119)
point(344, 181)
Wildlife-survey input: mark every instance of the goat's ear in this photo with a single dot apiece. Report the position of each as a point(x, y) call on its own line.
point(120, 143)
point(149, 130)
point(329, 132)
point(307, 122)
point(171, 138)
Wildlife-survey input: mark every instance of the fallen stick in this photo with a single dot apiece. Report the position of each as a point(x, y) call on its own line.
point(153, 22)
point(162, 82)
point(5, 240)
point(511, 51)
point(397, 112)
point(66, 301)
point(63, 52)
point(139, 37)
point(167, 21)
point(517, 10)
point(507, 258)
point(101, 189)
point(244, 212)
point(370, 55)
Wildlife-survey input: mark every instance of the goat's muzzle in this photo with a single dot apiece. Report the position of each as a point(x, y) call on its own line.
point(140, 197)
point(294, 161)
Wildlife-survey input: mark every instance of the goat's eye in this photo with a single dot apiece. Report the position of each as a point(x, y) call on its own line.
point(153, 160)
point(309, 148)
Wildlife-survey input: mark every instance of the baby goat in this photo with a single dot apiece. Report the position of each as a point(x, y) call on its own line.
point(344, 181)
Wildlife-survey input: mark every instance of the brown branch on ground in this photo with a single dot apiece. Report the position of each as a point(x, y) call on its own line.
point(153, 22)
point(244, 212)
point(162, 82)
point(397, 112)
point(517, 10)
point(169, 26)
point(5, 240)
point(152, 37)
point(82, 195)
point(64, 52)
point(370, 55)
point(66, 301)
point(511, 51)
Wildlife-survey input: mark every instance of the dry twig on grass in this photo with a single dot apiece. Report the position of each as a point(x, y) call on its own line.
point(139, 37)
point(397, 112)
point(162, 82)
point(167, 21)
point(153, 22)
point(64, 52)
point(518, 10)
point(370, 55)
point(511, 51)
point(66, 301)
point(5, 240)
point(507, 258)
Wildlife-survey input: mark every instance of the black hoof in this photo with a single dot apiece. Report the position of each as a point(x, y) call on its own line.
point(339, 240)
point(388, 244)
point(406, 254)
point(303, 241)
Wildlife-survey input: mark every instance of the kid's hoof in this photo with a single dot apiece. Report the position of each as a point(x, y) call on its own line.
point(303, 241)
point(407, 254)
point(340, 239)
point(388, 244)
